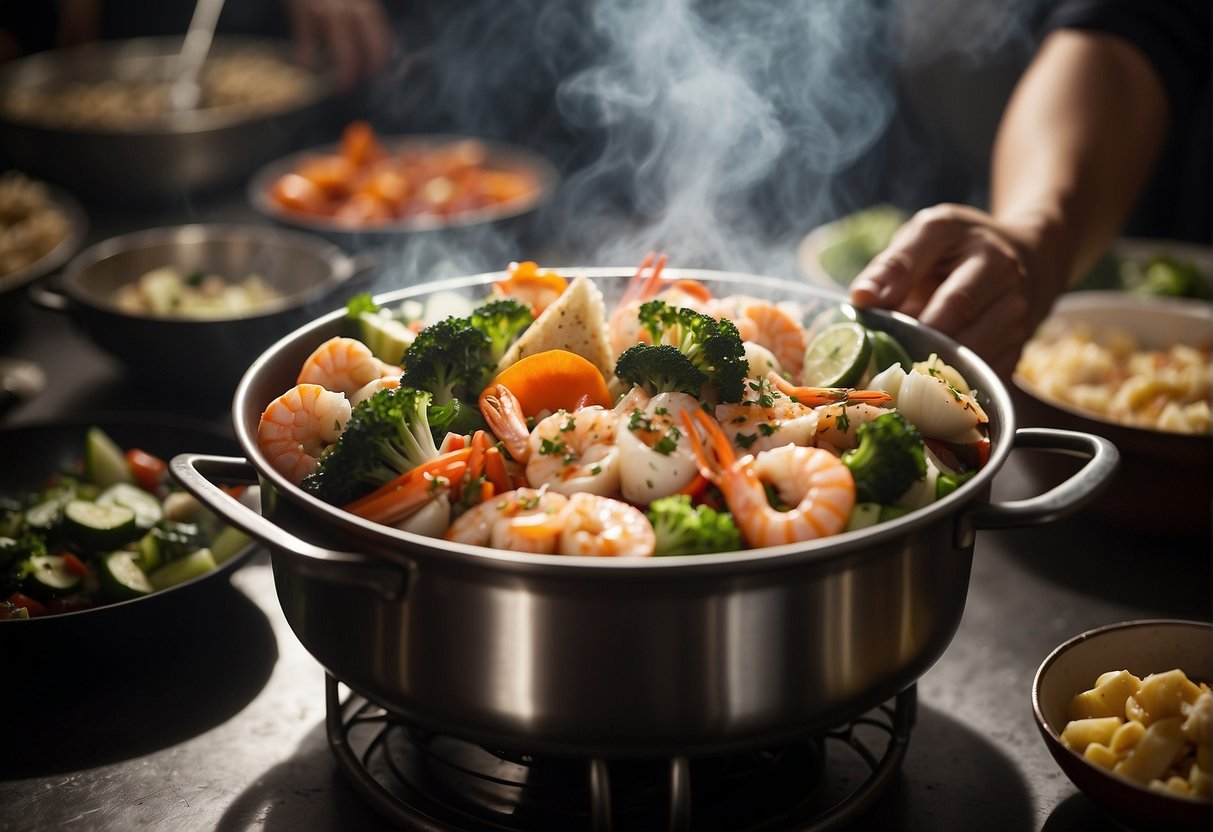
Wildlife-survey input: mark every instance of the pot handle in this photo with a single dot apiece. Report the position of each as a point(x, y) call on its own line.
point(49, 299)
point(1059, 501)
point(197, 474)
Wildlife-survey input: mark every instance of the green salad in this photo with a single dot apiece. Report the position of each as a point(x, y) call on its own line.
point(112, 529)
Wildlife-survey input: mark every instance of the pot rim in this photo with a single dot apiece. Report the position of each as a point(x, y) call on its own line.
point(341, 267)
point(407, 546)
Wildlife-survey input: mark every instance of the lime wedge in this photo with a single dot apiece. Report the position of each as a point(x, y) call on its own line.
point(887, 351)
point(837, 356)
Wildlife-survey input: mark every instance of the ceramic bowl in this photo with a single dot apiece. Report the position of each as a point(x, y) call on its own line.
point(1141, 647)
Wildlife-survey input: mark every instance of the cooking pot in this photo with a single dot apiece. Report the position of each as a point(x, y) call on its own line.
point(309, 274)
point(190, 152)
point(629, 657)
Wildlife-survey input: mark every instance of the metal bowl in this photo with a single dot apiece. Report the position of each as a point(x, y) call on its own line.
point(624, 657)
point(499, 156)
point(1142, 648)
point(12, 296)
point(184, 153)
point(312, 276)
point(1153, 462)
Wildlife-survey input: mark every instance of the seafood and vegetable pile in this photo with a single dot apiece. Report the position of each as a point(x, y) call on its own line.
point(676, 423)
point(364, 183)
point(111, 529)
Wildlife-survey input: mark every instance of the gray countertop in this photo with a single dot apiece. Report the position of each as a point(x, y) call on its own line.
point(218, 721)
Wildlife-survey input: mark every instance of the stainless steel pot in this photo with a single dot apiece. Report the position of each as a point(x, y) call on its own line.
point(616, 658)
point(310, 274)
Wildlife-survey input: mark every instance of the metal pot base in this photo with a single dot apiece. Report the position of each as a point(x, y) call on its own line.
point(426, 781)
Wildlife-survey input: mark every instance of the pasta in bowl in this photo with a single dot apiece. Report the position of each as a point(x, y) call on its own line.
point(1150, 678)
point(1138, 371)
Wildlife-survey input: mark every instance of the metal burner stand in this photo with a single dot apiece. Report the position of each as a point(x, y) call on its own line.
point(360, 733)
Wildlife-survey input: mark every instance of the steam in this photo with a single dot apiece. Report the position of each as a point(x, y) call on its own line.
point(718, 131)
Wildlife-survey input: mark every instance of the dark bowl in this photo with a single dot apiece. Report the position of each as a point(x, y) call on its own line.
point(32, 452)
point(14, 284)
point(1142, 648)
point(313, 276)
point(1153, 463)
point(189, 152)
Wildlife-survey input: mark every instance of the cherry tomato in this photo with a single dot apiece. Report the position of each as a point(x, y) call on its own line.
point(148, 469)
point(20, 599)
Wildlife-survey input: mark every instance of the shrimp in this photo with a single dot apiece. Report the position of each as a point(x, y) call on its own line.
point(818, 488)
point(372, 387)
point(527, 284)
point(596, 526)
point(522, 520)
point(653, 460)
point(766, 419)
point(624, 327)
point(503, 414)
point(817, 396)
point(766, 324)
point(344, 365)
point(575, 451)
point(297, 426)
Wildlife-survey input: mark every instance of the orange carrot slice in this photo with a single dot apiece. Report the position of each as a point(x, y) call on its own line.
point(554, 380)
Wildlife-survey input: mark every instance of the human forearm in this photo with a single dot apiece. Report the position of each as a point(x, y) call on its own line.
point(1076, 145)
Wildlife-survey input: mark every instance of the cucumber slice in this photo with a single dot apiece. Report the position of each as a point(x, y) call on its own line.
point(48, 575)
point(147, 507)
point(183, 569)
point(151, 554)
point(45, 515)
point(98, 526)
point(104, 462)
point(386, 336)
point(228, 541)
point(121, 577)
point(837, 356)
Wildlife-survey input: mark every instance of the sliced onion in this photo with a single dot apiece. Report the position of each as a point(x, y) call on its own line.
point(937, 410)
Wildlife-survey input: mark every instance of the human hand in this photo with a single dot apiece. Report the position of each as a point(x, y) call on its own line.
point(962, 272)
point(356, 34)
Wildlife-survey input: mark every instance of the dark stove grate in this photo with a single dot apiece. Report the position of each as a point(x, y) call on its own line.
point(432, 782)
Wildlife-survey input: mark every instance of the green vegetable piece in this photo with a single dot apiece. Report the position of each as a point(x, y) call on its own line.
point(97, 526)
point(229, 541)
point(47, 576)
point(104, 461)
point(683, 529)
point(147, 507)
point(888, 459)
point(887, 351)
point(837, 356)
point(121, 578)
point(183, 569)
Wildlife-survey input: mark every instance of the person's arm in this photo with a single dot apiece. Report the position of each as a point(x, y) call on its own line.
point(1074, 149)
point(357, 34)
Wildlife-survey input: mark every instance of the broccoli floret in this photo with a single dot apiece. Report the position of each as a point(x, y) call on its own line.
point(946, 483)
point(387, 435)
point(888, 459)
point(659, 368)
point(503, 320)
point(359, 303)
point(14, 552)
point(713, 346)
point(456, 416)
point(683, 529)
point(450, 358)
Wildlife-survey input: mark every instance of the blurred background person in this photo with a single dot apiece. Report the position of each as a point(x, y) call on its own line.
point(1107, 130)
